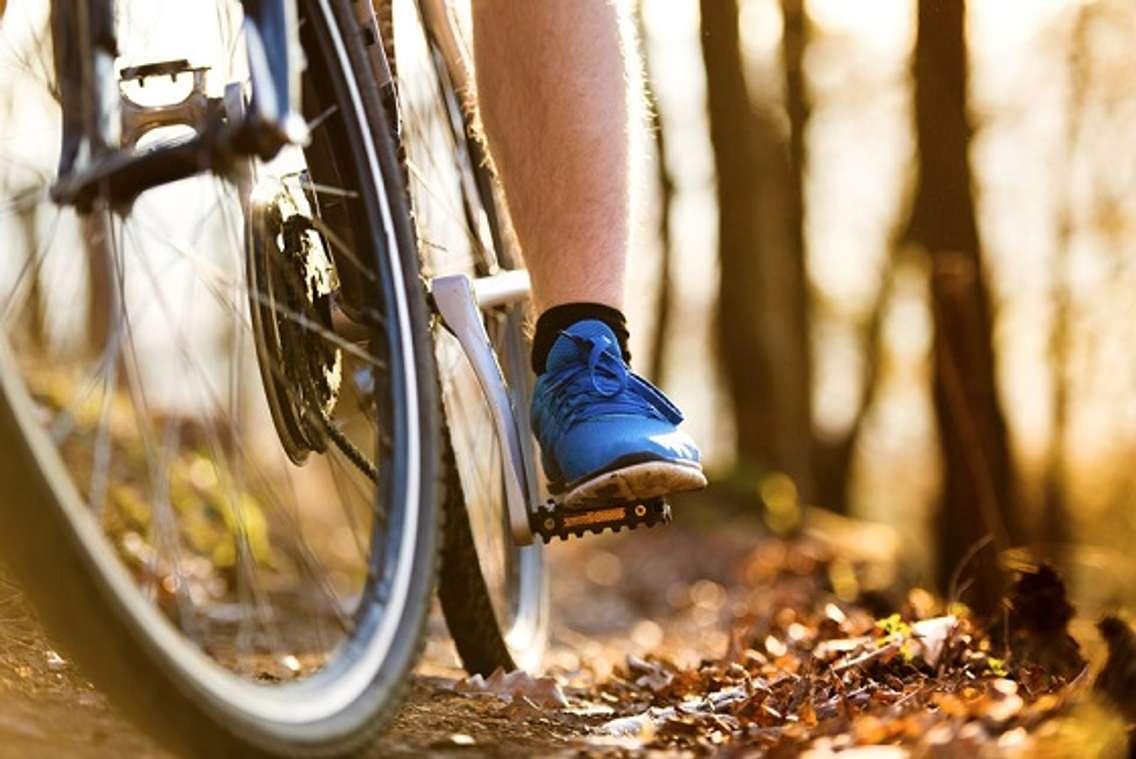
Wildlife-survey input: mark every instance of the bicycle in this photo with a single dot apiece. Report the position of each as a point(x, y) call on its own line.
point(290, 347)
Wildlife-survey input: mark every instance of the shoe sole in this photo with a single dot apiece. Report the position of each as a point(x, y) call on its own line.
point(635, 483)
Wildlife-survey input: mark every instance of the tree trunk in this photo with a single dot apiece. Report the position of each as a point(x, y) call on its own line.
point(659, 353)
point(1055, 509)
point(831, 459)
point(834, 457)
point(794, 358)
point(977, 499)
point(762, 316)
point(35, 311)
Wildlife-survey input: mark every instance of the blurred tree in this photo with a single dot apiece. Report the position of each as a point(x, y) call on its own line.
point(834, 455)
point(1055, 512)
point(666, 194)
point(829, 485)
point(36, 309)
point(659, 353)
point(831, 457)
point(96, 228)
point(978, 490)
point(25, 207)
point(762, 318)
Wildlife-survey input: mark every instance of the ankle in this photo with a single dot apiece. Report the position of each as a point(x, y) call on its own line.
point(559, 318)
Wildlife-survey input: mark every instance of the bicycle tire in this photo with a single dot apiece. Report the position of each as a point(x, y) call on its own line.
point(491, 627)
point(483, 642)
point(90, 605)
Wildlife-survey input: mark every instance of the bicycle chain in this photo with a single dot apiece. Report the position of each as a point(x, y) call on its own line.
point(349, 449)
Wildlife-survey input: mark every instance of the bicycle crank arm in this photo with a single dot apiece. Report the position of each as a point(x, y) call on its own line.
point(457, 302)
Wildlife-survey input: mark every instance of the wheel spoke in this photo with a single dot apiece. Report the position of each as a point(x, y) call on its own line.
point(223, 405)
point(318, 121)
point(233, 479)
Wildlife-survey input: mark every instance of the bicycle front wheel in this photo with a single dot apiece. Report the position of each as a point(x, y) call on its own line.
point(218, 406)
point(493, 592)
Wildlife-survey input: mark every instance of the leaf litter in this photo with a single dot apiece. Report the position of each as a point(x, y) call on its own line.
point(516, 687)
point(822, 674)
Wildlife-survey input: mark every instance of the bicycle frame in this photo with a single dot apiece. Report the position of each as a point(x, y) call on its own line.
point(101, 126)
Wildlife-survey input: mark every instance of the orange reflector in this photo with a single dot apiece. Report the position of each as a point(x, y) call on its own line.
point(586, 518)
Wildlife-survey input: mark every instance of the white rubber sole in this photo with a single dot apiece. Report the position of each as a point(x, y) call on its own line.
point(637, 482)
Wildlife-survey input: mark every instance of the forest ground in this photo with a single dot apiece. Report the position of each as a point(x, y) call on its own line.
point(704, 636)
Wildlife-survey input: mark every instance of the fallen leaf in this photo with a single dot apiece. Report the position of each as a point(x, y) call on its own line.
point(840, 646)
point(589, 709)
point(454, 740)
point(55, 662)
point(883, 652)
point(868, 730)
point(514, 686)
point(642, 726)
point(652, 676)
point(932, 636)
point(1004, 709)
point(775, 647)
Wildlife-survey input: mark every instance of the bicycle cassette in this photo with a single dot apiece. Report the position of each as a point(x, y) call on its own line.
point(554, 520)
point(292, 280)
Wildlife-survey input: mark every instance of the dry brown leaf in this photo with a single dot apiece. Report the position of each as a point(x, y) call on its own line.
point(868, 730)
point(951, 705)
point(1004, 709)
point(827, 648)
point(514, 686)
point(932, 636)
point(652, 675)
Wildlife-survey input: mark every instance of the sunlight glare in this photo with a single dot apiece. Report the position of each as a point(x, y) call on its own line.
point(761, 27)
point(877, 24)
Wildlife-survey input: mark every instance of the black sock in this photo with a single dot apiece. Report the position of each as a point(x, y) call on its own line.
point(559, 318)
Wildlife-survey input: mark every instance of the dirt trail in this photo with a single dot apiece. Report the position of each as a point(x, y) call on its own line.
point(607, 592)
point(46, 706)
point(730, 617)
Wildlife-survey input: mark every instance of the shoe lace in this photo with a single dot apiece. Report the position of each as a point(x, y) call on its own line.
point(599, 386)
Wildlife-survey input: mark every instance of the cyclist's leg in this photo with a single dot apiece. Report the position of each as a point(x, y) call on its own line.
point(554, 104)
point(559, 117)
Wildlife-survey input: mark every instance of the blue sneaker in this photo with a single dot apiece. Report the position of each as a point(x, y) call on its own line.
point(607, 436)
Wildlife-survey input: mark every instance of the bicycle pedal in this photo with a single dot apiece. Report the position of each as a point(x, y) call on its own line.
point(554, 520)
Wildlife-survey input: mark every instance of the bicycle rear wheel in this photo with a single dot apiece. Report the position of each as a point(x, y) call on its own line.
point(493, 592)
point(219, 407)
